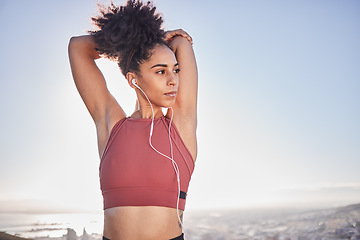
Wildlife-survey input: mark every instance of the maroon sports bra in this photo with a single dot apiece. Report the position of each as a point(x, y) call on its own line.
point(133, 174)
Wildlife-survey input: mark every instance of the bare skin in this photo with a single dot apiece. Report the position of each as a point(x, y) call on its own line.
point(159, 75)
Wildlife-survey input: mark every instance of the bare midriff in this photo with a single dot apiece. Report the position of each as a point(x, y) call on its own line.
point(145, 222)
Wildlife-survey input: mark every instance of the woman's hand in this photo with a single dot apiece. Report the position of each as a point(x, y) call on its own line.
point(178, 32)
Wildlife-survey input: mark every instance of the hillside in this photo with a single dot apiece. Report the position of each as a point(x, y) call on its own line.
point(5, 236)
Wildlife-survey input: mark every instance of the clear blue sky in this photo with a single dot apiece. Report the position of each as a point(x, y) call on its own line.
point(279, 103)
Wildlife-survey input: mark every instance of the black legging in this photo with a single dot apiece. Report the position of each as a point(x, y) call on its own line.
point(181, 237)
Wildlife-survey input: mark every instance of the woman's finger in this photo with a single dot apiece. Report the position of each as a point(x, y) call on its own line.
point(187, 36)
point(177, 32)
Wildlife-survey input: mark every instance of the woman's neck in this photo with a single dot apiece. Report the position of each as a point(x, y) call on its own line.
point(147, 113)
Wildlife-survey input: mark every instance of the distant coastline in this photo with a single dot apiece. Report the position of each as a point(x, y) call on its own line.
point(324, 223)
point(5, 236)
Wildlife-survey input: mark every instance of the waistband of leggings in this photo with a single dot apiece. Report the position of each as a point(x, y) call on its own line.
point(181, 237)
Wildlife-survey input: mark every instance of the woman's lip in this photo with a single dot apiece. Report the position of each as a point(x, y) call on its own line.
point(171, 94)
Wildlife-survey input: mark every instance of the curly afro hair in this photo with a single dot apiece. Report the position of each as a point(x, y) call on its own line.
point(128, 33)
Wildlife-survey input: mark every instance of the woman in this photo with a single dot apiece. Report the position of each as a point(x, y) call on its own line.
point(147, 158)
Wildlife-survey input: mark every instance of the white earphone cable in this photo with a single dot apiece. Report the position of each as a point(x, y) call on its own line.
point(175, 166)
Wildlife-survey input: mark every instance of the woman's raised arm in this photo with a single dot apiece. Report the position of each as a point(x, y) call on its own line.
point(185, 107)
point(186, 99)
point(90, 81)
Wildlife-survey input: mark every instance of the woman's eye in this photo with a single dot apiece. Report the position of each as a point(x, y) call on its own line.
point(177, 70)
point(161, 71)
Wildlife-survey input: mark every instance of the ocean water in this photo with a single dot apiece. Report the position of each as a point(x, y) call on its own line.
point(230, 224)
point(50, 225)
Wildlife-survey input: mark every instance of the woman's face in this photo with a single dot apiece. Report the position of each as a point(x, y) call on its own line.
point(159, 77)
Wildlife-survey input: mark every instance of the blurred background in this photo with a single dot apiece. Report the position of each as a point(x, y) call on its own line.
point(279, 105)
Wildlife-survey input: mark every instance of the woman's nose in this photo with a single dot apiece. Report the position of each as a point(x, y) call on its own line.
point(173, 80)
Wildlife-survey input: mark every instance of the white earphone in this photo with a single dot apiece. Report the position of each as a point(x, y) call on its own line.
point(134, 82)
point(175, 166)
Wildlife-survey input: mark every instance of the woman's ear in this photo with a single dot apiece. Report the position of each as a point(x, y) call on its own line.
point(129, 77)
